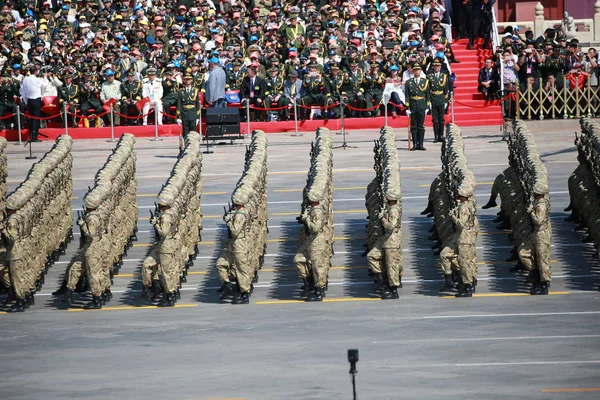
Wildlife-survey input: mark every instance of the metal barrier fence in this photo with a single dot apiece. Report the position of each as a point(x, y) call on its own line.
point(538, 102)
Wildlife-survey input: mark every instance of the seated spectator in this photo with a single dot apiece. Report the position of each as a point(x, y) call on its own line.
point(489, 80)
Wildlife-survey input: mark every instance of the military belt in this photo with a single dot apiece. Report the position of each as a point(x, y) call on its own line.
point(188, 106)
point(417, 98)
point(437, 92)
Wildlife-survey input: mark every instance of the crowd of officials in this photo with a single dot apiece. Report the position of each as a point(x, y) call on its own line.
point(156, 57)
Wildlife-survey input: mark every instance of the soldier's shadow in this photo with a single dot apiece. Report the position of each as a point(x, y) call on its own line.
point(211, 283)
point(419, 257)
point(357, 282)
point(491, 260)
point(578, 261)
point(131, 296)
point(285, 284)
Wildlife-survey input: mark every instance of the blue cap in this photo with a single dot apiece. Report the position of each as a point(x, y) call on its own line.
point(179, 18)
point(176, 63)
point(150, 40)
point(414, 9)
point(293, 49)
point(415, 43)
point(331, 23)
point(65, 8)
point(110, 72)
point(439, 54)
point(221, 21)
point(138, 7)
point(253, 38)
point(124, 48)
point(119, 37)
point(16, 66)
point(214, 31)
point(213, 60)
point(394, 68)
point(332, 52)
point(29, 12)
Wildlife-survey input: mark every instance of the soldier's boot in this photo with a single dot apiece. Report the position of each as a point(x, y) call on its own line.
point(196, 251)
point(533, 277)
point(435, 132)
point(414, 141)
point(66, 297)
point(541, 289)
point(501, 216)
point(61, 290)
point(255, 279)
point(569, 207)
point(421, 141)
point(437, 245)
point(513, 256)
point(518, 268)
point(19, 306)
point(580, 227)
point(587, 239)
point(157, 289)
point(379, 287)
point(10, 298)
point(308, 286)
point(465, 291)
point(491, 203)
point(316, 295)
point(107, 295)
point(505, 225)
point(183, 278)
point(168, 300)
point(390, 293)
point(30, 300)
point(434, 237)
point(145, 292)
point(428, 209)
point(95, 304)
point(574, 217)
point(430, 215)
point(82, 285)
point(38, 284)
point(448, 283)
point(227, 291)
point(241, 298)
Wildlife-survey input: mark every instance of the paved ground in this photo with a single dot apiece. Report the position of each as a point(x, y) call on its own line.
point(502, 344)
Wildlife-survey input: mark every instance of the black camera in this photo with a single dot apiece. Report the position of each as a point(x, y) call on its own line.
point(353, 356)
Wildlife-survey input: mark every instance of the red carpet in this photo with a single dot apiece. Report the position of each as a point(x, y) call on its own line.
point(470, 112)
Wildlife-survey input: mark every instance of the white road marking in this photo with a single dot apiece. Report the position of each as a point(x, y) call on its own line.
point(486, 339)
point(496, 364)
point(467, 316)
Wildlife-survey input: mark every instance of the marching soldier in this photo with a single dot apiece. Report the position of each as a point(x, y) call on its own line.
point(418, 104)
point(439, 95)
point(188, 106)
point(238, 224)
point(542, 231)
point(131, 91)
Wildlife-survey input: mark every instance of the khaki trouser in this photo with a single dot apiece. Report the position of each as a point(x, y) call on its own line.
point(169, 272)
point(449, 258)
point(317, 255)
point(467, 262)
point(243, 270)
point(74, 273)
point(393, 263)
point(150, 267)
point(20, 277)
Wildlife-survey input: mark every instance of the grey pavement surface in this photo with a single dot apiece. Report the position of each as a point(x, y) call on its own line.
point(502, 344)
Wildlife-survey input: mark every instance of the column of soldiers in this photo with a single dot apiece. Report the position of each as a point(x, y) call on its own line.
point(384, 229)
point(38, 223)
point(243, 253)
point(4, 275)
point(525, 208)
point(313, 258)
point(177, 223)
point(584, 183)
point(108, 226)
point(453, 205)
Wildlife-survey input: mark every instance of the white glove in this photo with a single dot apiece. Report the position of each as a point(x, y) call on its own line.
point(178, 122)
point(197, 121)
point(408, 112)
point(426, 111)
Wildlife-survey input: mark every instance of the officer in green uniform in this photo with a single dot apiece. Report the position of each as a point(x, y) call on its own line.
point(69, 94)
point(188, 105)
point(373, 87)
point(274, 94)
point(235, 76)
point(170, 88)
point(335, 82)
point(131, 93)
point(439, 94)
point(417, 104)
point(7, 99)
point(314, 87)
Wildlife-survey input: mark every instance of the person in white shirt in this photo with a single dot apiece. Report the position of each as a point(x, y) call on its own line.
point(31, 93)
point(152, 88)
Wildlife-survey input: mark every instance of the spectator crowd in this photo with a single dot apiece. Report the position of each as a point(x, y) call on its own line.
point(138, 56)
point(546, 62)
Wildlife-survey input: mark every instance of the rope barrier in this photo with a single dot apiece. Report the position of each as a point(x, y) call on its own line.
point(41, 118)
point(319, 107)
point(170, 116)
point(7, 116)
point(267, 109)
point(492, 104)
point(93, 116)
point(134, 117)
point(397, 105)
point(364, 109)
